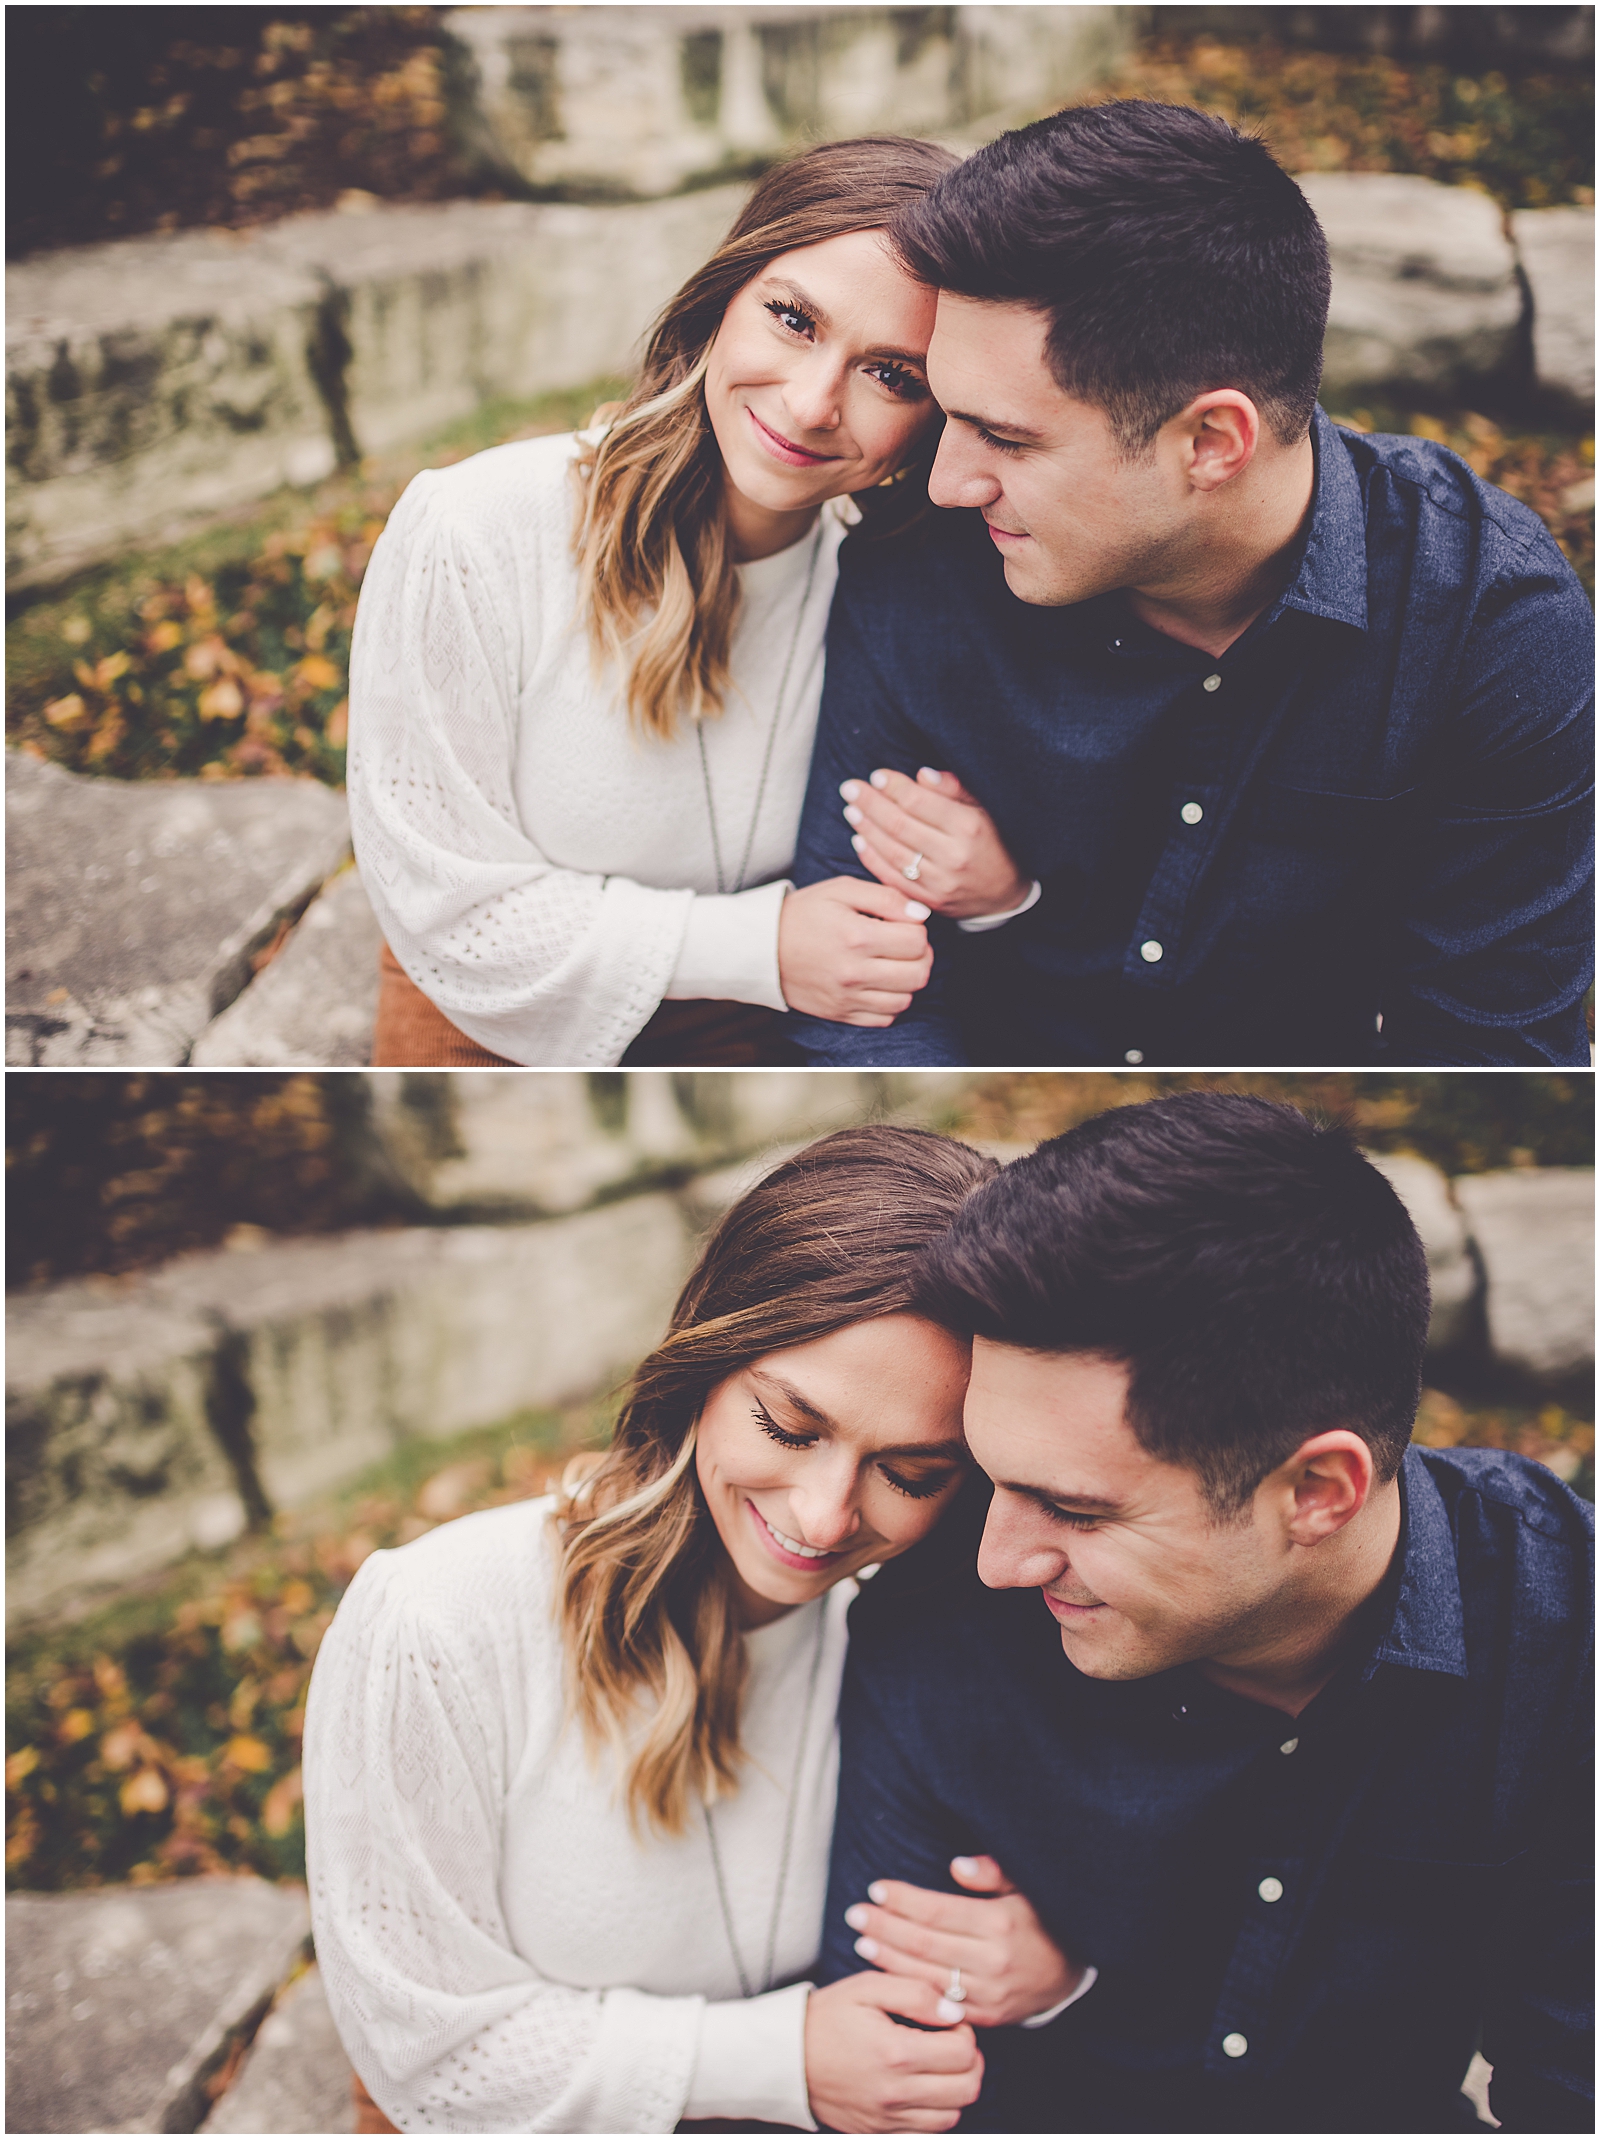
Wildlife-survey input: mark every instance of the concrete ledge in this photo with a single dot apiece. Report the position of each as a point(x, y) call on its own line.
point(295, 2076)
point(313, 1007)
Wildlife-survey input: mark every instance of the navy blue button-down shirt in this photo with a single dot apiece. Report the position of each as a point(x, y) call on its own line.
point(1428, 1818)
point(1375, 806)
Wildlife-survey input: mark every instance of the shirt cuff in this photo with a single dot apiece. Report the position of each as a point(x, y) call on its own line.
point(750, 2066)
point(980, 922)
point(1091, 1977)
point(730, 949)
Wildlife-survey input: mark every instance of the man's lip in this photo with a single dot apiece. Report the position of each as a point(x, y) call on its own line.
point(787, 1559)
point(1061, 1609)
point(1006, 534)
point(781, 447)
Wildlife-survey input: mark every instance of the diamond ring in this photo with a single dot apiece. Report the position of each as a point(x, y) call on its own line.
point(912, 869)
point(957, 1993)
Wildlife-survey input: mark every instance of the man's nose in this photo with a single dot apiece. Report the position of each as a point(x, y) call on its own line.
point(958, 478)
point(1011, 1557)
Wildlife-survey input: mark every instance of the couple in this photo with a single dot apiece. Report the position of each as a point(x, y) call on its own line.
point(1192, 729)
point(1234, 1780)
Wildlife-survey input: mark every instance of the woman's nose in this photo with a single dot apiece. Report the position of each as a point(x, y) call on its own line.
point(825, 1507)
point(814, 394)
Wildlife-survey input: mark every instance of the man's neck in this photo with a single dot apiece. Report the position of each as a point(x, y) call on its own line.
point(1239, 561)
point(1290, 1666)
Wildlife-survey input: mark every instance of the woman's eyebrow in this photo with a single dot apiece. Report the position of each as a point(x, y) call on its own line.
point(819, 314)
point(793, 1397)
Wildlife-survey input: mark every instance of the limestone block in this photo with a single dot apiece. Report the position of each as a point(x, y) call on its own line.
point(1534, 1229)
point(313, 1006)
point(1425, 289)
point(120, 2003)
point(1452, 1273)
point(1556, 248)
point(132, 908)
point(295, 2076)
point(150, 379)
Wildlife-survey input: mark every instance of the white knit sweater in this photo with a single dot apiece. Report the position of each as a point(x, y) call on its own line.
point(543, 873)
point(502, 1952)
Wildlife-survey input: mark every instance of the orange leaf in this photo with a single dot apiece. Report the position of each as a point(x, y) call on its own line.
point(318, 673)
point(223, 701)
point(277, 1808)
point(21, 1764)
point(68, 712)
point(144, 1792)
point(248, 1753)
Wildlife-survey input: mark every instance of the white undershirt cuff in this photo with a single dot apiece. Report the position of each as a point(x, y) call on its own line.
point(1091, 1977)
point(750, 2064)
point(981, 922)
point(730, 948)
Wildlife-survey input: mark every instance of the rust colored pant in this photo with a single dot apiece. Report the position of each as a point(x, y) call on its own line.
point(369, 2117)
point(413, 1033)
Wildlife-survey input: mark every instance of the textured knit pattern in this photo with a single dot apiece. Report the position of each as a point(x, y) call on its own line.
point(502, 1952)
point(534, 862)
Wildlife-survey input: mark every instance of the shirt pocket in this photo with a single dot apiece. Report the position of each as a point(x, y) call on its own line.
point(1326, 821)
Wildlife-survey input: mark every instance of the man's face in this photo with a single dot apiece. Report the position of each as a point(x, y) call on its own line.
point(1130, 1560)
point(1068, 513)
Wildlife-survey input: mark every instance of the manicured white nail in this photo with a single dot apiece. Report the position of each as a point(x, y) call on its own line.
point(867, 1948)
point(947, 2012)
point(857, 841)
point(880, 779)
point(856, 1916)
point(878, 1892)
point(851, 814)
point(849, 789)
point(930, 778)
point(964, 1867)
point(916, 911)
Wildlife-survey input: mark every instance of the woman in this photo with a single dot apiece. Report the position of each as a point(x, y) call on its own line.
point(586, 674)
point(570, 1765)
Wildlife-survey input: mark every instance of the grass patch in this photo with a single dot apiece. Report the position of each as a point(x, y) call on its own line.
point(227, 654)
point(159, 1735)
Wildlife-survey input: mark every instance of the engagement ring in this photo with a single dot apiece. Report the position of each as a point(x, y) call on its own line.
point(912, 869)
point(957, 1993)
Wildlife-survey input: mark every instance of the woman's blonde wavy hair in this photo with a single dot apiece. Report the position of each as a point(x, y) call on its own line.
point(655, 565)
point(645, 1599)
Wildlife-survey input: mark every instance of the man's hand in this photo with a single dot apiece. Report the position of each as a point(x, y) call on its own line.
point(965, 871)
point(853, 952)
point(1010, 1968)
point(864, 2073)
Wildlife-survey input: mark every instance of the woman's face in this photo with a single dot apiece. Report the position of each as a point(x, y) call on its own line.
point(825, 1457)
point(816, 384)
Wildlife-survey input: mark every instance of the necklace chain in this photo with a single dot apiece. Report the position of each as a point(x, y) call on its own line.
point(772, 737)
point(745, 1987)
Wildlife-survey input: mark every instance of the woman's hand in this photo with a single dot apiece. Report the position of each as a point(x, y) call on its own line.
point(865, 2073)
point(965, 870)
point(853, 952)
point(1010, 1968)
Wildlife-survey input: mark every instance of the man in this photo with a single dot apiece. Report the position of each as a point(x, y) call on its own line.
point(1289, 726)
point(1280, 1724)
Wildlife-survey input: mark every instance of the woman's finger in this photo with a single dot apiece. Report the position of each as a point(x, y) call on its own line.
point(935, 809)
point(877, 813)
point(966, 1916)
point(980, 1875)
point(947, 785)
point(888, 858)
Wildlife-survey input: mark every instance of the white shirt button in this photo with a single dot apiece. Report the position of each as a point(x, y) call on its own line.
point(1134, 1054)
point(1191, 813)
point(1214, 683)
point(1271, 1890)
point(1288, 1745)
point(1234, 2046)
point(1150, 952)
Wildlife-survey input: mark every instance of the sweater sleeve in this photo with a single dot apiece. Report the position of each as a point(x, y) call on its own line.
point(541, 964)
point(406, 1756)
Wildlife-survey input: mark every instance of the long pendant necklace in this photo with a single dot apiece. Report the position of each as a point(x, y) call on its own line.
point(772, 737)
point(746, 1989)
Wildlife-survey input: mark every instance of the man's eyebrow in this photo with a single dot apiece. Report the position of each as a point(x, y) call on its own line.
point(820, 315)
point(1092, 1503)
point(993, 423)
point(941, 1450)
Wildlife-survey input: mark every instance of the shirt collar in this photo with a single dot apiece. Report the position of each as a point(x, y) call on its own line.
point(1332, 579)
point(1426, 1632)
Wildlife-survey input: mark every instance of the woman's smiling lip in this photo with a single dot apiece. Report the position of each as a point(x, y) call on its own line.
point(806, 1562)
point(780, 448)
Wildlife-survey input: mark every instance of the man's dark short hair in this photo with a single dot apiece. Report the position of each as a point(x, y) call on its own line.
point(1171, 254)
point(1258, 1276)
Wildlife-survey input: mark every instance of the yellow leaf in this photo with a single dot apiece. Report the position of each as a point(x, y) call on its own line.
point(75, 1724)
point(277, 1808)
point(76, 630)
point(204, 657)
point(21, 1764)
point(318, 673)
point(107, 671)
point(297, 1597)
point(165, 637)
point(144, 1792)
point(338, 728)
point(223, 701)
point(68, 712)
point(1429, 427)
point(248, 1753)
point(120, 1747)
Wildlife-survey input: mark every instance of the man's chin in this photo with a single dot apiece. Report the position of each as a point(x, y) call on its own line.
point(1031, 581)
point(1096, 1653)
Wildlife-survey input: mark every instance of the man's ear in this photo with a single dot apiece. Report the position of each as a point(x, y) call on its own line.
point(1330, 1480)
point(1218, 435)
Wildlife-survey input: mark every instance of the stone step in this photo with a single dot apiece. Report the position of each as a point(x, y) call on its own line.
point(133, 908)
point(122, 2003)
point(313, 1006)
point(295, 2076)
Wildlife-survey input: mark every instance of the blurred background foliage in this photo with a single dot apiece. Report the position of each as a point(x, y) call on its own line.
point(226, 655)
point(160, 1736)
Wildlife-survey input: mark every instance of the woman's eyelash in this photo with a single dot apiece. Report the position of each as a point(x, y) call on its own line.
point(774, 1432)
point(901, 382)
point(918, 1488)
point(784, 312)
